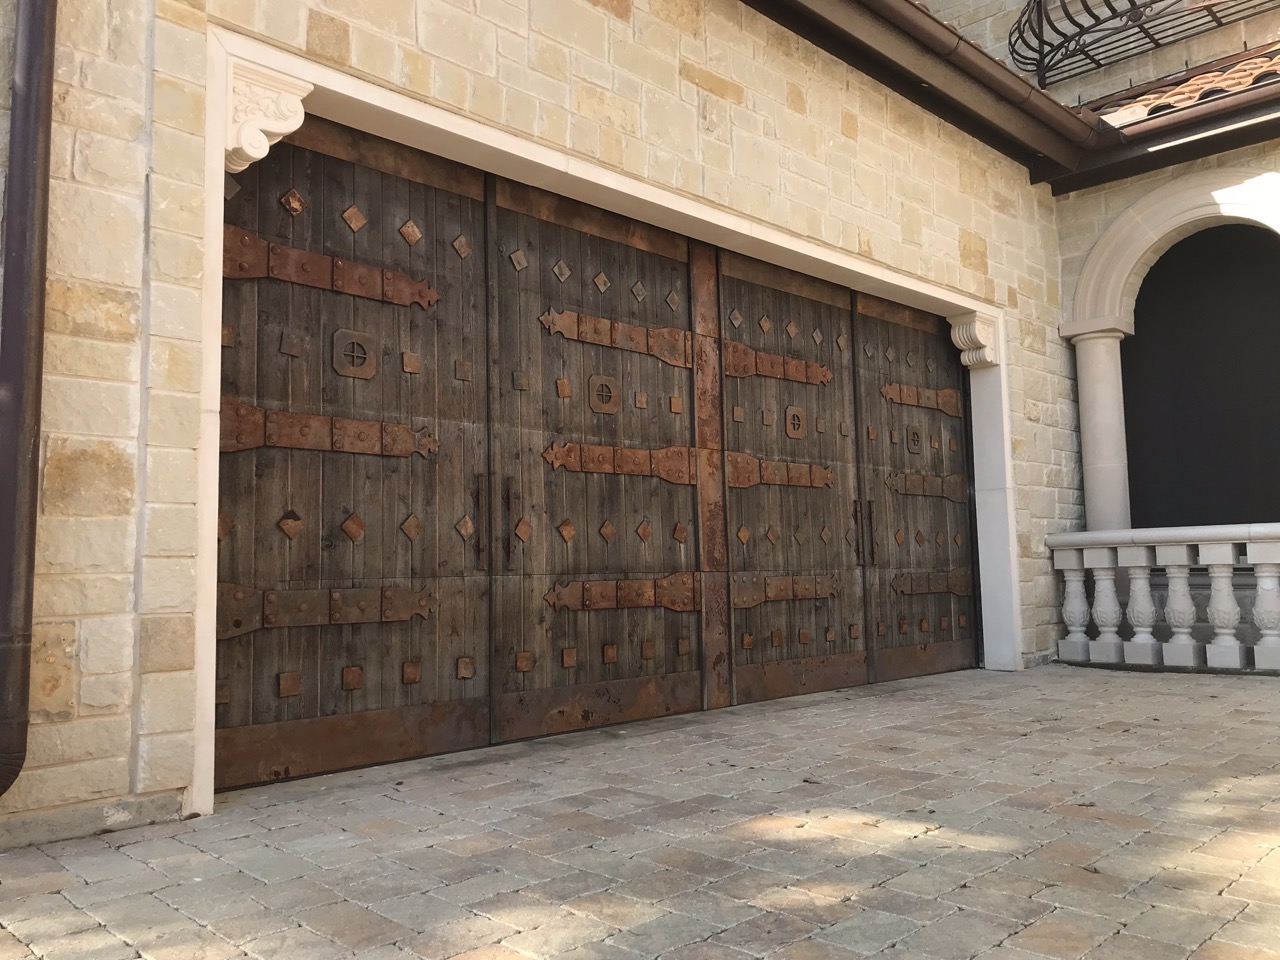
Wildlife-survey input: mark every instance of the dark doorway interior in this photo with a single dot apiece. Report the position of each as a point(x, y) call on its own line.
point(1202, 394)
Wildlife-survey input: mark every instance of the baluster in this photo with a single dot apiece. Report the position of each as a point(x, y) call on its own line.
point(1106, 605)
point(1266, 616)
point(1225, 652)
point(1265, 558)
point(1141, 611)
point(1179, 608)
point(1075, 606)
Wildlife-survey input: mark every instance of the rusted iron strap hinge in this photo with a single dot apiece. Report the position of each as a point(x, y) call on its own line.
point(679, 591)
point(953, 487)
point(673, 464)
point(246, 427)
point(948, 401)
point(247, 257)
point(958, 581)
point(744, 470)
point(668, 344)
point(243, 609)
point(753, 589)
point(743, 361)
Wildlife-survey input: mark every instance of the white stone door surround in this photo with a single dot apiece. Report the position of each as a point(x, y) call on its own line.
point(1104, 302)
point(256, 95)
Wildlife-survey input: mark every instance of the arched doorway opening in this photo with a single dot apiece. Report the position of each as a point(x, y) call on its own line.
point(1201, 407)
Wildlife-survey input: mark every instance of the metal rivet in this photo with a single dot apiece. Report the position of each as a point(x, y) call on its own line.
point(270, 619)
point(239, 594)
point(271, 438)
point(336, 595)
point(239, 438)
point(271, 597)
point(362, 605)
point(272, 417)
point(387, 594)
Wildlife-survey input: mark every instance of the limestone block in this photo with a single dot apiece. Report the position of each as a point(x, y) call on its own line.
point(688, 16)
point(606, 108)
point(374, 54)
point(130, 31)
point(106, 693)
point(173, 419)
point(107, 644)
point(178, 104)
point(75, 405)
point(176, 206)
point(168, 643)
point(168, 585)
point(178, 155)
point(568, 21)
point(86, 545)
point(69, 782)
point(83, 594)
point(124, 82)
point(174, 365)
point(87, 30)
point(176, 258)
point(286, 21)
point(621, 9)
point(328, 38)
point(80, 251)
point(167, 702)
point(171, 475)
point(175, 311)
point(88, 310)
point(180, 52)
point(393, 17)
point(77, 357)
point(54, 670)
point(166, 761)
point(170, 530)
point(86, 110)
point(84, 739)
point(85, 478)
point(669, 122)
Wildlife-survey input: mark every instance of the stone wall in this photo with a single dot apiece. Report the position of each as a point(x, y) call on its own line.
point(705, 97)
point(112, 680)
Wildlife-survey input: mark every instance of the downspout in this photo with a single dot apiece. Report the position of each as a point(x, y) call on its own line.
point(26, 242)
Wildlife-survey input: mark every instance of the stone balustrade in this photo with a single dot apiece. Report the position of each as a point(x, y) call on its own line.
point(1164, 627)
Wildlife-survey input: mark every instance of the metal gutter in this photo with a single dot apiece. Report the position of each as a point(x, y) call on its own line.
point(26, 235)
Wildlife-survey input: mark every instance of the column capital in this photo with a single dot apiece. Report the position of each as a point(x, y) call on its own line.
point(263, 105)
point(1078, 328)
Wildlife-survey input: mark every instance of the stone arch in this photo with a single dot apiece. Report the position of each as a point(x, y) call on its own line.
point(1106, 293)
point(1114, 271)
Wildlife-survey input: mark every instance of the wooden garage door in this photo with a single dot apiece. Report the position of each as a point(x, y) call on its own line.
point(353, 607)
point(793, 482)
point(496, 464)
point(916, 493)
point(595, 511)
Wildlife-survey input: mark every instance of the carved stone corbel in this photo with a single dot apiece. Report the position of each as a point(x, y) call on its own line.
point(263, 105)
point(976, 337)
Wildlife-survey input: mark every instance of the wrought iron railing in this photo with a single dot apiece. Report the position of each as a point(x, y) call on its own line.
point(1060, 39)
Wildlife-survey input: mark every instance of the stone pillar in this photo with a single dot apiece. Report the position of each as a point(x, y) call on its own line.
point(1102, 438)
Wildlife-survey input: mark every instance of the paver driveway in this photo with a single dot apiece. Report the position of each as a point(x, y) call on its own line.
point(1060, 812)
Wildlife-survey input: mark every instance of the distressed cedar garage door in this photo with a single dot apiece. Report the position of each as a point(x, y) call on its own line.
point(496, 464)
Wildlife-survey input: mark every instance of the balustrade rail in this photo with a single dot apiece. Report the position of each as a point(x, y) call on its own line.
point(1163, 627)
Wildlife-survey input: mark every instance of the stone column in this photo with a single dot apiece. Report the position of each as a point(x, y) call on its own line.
point(1102, 438)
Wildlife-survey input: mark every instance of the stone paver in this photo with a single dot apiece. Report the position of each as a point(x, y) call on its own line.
point(1057, 813)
